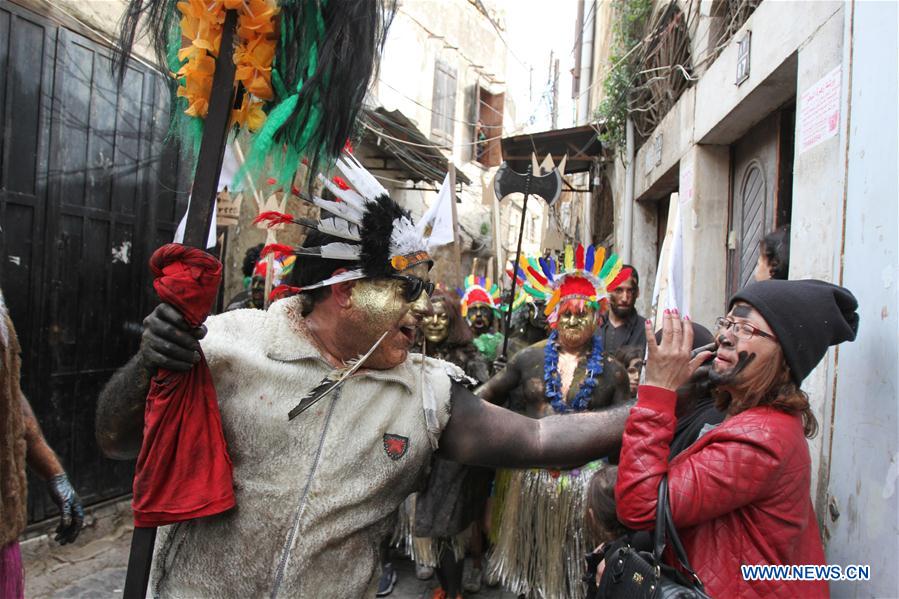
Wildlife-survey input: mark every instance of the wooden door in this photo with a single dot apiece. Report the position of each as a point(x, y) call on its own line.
point(755, 181)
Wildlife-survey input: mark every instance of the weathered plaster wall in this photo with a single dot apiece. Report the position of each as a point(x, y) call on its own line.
point(816, 222)
point(864, 459)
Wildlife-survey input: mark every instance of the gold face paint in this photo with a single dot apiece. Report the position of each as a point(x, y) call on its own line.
point(378, 305)
point(435, 326)
point(576, 328)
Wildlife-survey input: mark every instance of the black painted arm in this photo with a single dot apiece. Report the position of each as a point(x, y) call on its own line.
point(480, 433)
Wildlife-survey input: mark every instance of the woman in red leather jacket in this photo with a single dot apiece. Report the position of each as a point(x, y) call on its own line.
point(740, 494)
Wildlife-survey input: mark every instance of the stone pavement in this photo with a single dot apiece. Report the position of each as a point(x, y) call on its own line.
point(94, 566)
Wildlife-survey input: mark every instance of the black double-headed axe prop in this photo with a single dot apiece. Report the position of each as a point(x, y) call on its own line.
point(199, 218)
point(548, 187)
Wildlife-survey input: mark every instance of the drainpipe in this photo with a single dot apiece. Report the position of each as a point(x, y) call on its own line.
point(628, 219)
point(585, 78)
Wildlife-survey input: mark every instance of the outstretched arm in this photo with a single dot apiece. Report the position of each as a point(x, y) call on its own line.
point(497, 389)
point(167, 342)
point(479, 433)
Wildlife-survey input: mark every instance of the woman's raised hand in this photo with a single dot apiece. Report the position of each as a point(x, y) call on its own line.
point(668, 364)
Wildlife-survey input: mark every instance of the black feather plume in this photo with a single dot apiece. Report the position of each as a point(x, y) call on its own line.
point(377, 225)
point(160, 20)
point(331, 80)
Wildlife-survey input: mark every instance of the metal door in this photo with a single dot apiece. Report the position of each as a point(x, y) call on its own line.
point(89, 189)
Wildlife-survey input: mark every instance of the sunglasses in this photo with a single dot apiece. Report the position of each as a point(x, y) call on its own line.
point(413, 287)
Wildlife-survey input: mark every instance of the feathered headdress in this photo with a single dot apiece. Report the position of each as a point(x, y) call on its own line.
point(373, 230)
point(302, 69)
point(479, 291)
point(584, 274)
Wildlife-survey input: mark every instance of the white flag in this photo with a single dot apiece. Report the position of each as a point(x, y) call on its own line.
point(226, 178)
point(440, 217)
point(671, 289)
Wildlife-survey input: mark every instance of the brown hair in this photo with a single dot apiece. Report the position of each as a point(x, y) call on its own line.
point(600, 500)
point(772, 387)
point(459, 331)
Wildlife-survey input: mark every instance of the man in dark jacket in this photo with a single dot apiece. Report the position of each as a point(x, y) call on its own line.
point(623, 325)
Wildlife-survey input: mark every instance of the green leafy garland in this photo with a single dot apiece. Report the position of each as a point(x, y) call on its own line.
point(627, 31)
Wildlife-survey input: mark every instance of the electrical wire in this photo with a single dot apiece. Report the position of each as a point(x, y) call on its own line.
point(499, 33)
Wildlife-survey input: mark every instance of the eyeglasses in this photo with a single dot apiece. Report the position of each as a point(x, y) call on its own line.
point(413, 286)
point(742, 330)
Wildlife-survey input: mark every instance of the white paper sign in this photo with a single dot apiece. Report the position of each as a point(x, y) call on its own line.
point(685, 183)
point(819, 111)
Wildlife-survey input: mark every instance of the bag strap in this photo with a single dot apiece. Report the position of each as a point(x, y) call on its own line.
point(676, 544)
point(658, 540)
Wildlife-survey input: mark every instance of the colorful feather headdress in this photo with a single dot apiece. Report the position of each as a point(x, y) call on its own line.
point(584, 274)
point(369, 228)
point(302, 70)
point(479, 291)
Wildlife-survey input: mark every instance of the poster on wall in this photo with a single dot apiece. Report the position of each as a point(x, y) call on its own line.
point(819, 111)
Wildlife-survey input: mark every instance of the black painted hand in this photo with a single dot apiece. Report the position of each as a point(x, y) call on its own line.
point(71, 511)
point(669, 364)
point(168, 342)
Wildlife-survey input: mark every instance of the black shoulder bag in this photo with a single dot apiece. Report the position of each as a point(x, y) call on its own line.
point(633, 574)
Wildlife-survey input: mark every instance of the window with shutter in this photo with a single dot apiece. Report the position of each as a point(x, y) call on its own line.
point(443, 107)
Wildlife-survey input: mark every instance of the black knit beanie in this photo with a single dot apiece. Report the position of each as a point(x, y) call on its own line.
point(807, 317)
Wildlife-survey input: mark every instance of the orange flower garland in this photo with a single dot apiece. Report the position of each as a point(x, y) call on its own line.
point(201, 27)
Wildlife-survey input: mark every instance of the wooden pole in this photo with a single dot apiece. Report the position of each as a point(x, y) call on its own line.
point(196, 231)
point(524, 212)
point(457, 254)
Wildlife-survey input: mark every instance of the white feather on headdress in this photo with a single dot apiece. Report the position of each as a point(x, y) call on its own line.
point(350, 197)
point(405, 238)
point(342, 210)
point(332, 251)
point(339, 228)
point(361, 180)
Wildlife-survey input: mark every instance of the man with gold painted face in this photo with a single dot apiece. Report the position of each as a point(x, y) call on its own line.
point(317, 477)
point(564, 375)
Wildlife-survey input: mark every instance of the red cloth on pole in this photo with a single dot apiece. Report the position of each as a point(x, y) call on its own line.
point(183, 470)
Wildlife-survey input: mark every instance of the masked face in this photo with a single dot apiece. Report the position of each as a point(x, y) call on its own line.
point(257, 292)
point(378, 305)
point(537, 315)
point(576, 328)
point(480, 318)
point(435, 325)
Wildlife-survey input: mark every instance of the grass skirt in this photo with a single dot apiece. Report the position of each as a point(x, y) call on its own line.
point(541, 536)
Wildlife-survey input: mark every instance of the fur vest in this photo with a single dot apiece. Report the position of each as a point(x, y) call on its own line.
point(13, 489)
point(315, 495)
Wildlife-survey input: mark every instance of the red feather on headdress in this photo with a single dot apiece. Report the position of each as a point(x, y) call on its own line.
point(282, 291)
point(273, 218)
point(277, 248)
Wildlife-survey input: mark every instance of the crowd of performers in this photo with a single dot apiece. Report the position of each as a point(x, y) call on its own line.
point(371, 413)
point(457, 442)
point(331, 438)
